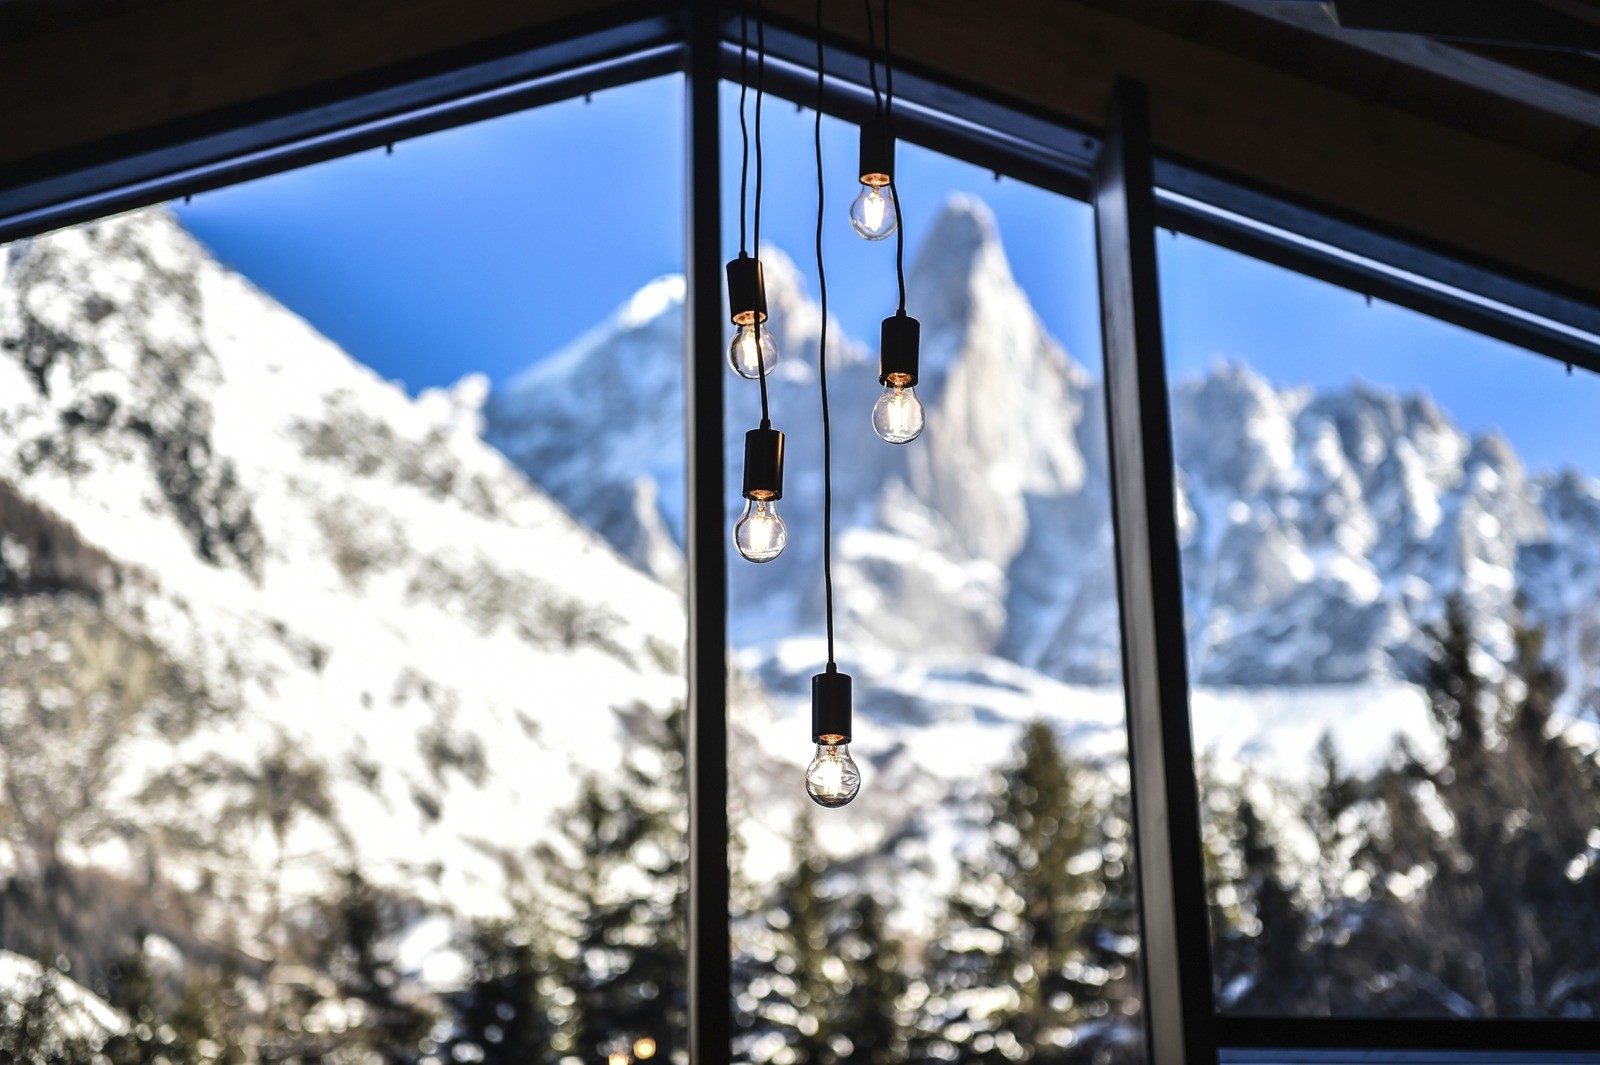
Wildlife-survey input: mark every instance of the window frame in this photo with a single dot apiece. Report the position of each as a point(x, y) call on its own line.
point(1134, 190)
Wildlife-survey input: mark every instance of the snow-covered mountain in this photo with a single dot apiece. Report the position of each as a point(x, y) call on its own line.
point(1320, 530)
point(426, 611)
point(362, 603)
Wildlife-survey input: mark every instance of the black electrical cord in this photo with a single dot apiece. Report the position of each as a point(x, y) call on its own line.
point(761, 74)
point(872, 61)
point(894, 186)
point(744, 130)
point(822, 368)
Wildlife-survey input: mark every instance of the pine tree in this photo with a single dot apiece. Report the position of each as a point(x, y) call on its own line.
point(1261, 965)
point(1484, 897)
point(502, 1016)
point(617, 882)
point(336, 991)
point(1015, 969)
point(869, 1013)
point(796, 977)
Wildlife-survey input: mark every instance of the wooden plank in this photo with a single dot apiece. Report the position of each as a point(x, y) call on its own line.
point(155, 65)
point(1442, 60)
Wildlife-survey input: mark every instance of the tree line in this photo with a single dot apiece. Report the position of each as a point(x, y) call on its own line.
point(1463, 880)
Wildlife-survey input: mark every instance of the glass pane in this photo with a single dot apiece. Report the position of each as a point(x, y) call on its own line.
point(1389, 561)
point(342, 687)
point(976, 900)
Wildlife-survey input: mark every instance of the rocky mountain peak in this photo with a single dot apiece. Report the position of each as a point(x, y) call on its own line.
point(962, 251)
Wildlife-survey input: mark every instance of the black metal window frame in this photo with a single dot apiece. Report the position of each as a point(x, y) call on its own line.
point(1134, 192)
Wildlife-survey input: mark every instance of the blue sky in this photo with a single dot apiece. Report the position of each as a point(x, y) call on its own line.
point(487, 248)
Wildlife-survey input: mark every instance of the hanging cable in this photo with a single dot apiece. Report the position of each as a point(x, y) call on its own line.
point(894, 187)
point(872, 213)
point(897, 416)
point(761, 75)
point(760, 534)
point(753, 353)
point(822, 365)
point(744, 129)
point(761, 78)
point(832, 778)
point(872, 61)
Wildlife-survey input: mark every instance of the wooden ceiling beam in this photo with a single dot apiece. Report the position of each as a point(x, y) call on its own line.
point(1421, 179)
point(161, 63)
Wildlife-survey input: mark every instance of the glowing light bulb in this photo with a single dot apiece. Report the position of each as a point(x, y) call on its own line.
point(760, 534)
point(832, 778)
point(897, 416)
point(872, 215)
point(644, 1048)
point(743, 352)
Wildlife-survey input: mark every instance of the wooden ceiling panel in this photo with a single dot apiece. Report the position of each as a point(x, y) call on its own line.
point(1419, 147)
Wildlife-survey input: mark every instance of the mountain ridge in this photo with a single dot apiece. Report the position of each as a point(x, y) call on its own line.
point(1334, 521)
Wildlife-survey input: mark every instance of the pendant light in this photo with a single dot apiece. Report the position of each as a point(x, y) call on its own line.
point(752, 352)
point(832, 778)
point(897, 416)
point(760, 534)
point(874, 215)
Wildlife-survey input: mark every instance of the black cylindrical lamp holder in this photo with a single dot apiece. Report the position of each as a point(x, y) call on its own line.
point(747, 291)
point(877, 153)
point(763, 463)
point(898, 350)
point(830, 707)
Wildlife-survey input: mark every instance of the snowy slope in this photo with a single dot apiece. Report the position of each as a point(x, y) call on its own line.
point(354, 575)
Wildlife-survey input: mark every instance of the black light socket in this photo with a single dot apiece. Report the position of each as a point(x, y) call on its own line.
point(898, 350)
point(763, 463)
point(830, 707)
point(877, 153)
point(747, 291)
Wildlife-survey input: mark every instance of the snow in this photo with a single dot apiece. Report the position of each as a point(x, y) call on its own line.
point(81, 1014)
point(494, 572)
point(404, 588)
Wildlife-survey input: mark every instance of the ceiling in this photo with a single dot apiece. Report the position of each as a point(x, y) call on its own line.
point(1482, 147)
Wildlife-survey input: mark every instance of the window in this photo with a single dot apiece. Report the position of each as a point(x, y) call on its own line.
point(978, 898)
point(342, 709)
point(347, 705)
point(1386, 550)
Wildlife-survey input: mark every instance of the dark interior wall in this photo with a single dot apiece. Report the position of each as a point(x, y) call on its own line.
point(1430, 158)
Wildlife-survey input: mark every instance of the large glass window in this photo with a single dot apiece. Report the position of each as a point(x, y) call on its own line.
point(341, 698)
point(1387, 527)
point(976, 901)
point(342, 626)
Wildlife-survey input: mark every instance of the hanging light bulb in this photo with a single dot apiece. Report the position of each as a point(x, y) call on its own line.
point(873, 215)
point(897, 416)
point(753, 349)
point(760, 533)
point(832, 778)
